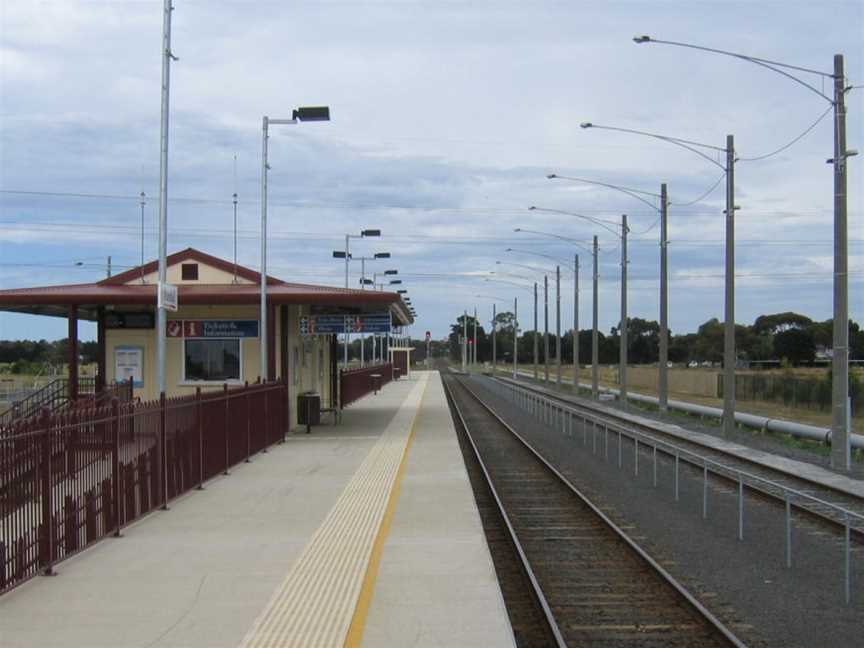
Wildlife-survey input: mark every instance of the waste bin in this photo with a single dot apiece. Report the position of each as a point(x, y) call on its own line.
point(396, 373)
point(376, 382)
point(309, 408)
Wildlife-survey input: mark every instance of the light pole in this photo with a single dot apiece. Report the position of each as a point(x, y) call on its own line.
point(142, 203)
point(607, 225)
point(363, 283)
point(314, 113)
point(161, 316)
point(841, 455)
point(494, 328)
point(346, 254)
point(663, 210)
point(515, 318)
point(729, 355)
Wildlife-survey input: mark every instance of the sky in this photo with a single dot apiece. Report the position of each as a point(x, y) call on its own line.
point(446, 119)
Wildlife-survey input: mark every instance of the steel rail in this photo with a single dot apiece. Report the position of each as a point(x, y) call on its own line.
point(665, 576)
point(762, 485)
point(526, 566)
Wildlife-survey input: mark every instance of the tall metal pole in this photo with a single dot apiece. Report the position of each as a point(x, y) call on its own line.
point(362, 335)
point(474, 345)
point(494, 341)
point(575, 323)
point(622, 331)
point(558, 325)
point(347, 336)
point(515, 334)
point(729, 329)
point(143, 202)
point(161, 318)
point(595, 342)
point(663, 387)
point(263, 308)
point(465, 341)
point(235, 236)
point(536, 334)
point(840, 450)
point(546, 328)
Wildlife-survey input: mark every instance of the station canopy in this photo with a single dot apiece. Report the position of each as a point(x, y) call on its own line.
point(220, 283)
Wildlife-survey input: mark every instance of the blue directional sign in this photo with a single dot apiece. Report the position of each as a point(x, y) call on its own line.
point(338, 324)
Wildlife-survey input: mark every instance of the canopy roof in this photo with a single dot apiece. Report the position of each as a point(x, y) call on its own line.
point(127, 289)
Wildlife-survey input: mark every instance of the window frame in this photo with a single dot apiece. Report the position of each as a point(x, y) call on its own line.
point(192, 382)
point(191, 267)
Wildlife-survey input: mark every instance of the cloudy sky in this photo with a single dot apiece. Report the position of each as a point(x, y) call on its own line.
point(446, 118)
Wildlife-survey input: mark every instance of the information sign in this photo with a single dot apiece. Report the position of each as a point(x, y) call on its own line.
point(211, 329)
point(337, 324)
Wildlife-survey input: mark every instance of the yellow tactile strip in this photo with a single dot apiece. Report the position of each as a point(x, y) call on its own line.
point(315, 603)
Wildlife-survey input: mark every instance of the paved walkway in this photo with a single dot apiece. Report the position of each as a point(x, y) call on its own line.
point(365, 532)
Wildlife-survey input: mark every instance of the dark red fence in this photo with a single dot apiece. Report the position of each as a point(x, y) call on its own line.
point(354, 384)
point(71, 479)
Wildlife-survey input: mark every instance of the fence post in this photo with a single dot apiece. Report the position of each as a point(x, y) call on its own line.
point(47, 504)
point(200, 425)
point(227, 421)
point(266, 417)
point(115, 465)
point(163, 452)
point(248, 424)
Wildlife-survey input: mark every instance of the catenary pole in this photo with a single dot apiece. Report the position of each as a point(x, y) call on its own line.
point(546, 329)
point(729, 326)
point(575, 323)
point(536, 335)
point(622, 331)
point(161, 318)
point(464, 340)
point(595, 342)
point(263, 307)
point(515, 335)
point(664, 302)
point(840, 448)
point(474, 345)
point(494, 341)
point(558, 326)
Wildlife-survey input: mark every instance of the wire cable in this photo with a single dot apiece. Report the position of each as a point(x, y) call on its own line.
point(704, 195)
point(794, 141)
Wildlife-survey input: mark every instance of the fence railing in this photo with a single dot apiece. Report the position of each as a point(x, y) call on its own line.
point(563, 419)
point(354, 384)
point(68, 480)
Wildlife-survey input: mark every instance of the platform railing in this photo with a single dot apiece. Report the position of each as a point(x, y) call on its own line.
point(560, 417)
point(354, 384)
point(68, 480)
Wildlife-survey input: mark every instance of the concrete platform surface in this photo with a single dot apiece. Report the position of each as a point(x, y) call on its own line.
point(206, 572)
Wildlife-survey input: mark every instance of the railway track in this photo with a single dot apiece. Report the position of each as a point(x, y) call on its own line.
point(592, 584)
point(828, 504)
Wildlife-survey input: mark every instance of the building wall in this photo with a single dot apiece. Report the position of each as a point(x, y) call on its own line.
point(308, 358)
point(206, 275)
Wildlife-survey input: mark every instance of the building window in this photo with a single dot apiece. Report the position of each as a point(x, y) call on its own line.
point(212, 360)
point(189, 271)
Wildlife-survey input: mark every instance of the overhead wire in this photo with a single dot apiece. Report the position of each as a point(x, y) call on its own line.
point(792, 142)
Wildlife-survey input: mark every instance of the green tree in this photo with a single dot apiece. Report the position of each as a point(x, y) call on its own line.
point(795, 345)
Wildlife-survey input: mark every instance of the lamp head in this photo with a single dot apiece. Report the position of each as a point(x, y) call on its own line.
point(382, 255)
point(585, 125)
point(401, 292)
point(518, 229)
point(396, 281)
point(338, 254)
point(391, 272)
point(509, 250)
point(312, 113)
point(371, 232)
point(641, 39)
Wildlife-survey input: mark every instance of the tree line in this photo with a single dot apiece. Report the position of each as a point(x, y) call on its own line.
point(789, 337)
point(33, 356)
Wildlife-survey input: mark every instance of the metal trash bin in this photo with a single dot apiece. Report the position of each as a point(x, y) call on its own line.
point(376, 382)
point(309, 409)
point(396, 373)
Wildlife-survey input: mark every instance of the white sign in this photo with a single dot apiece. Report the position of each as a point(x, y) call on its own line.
point(168, 296)
point(129, 363)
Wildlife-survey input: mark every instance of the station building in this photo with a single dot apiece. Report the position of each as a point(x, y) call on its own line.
point(213, 337)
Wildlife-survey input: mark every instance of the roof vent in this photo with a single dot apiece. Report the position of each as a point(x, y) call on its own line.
point(189, 271)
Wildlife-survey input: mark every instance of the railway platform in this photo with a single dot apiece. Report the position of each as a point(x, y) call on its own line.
point(365, 533)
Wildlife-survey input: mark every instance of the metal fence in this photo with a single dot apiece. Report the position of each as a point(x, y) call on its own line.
point(68, 480)
point(354, 384)
point(596, 431)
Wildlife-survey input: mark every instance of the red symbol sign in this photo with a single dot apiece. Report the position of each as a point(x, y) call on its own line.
point(192, 329)
point(174, 329)
point(428, 335)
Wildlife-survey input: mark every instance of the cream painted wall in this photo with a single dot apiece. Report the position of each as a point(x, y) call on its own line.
point(206, 275)
point(308, 359)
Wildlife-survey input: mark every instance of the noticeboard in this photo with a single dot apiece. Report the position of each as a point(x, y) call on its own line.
point(129, 363)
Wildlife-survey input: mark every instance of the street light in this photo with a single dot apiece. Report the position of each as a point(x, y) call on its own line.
point(575, 271)
point(729, 356)
point(663, 210)
point(841, 455)
point(494, 328)
point(306, 113)
point(622, 329)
